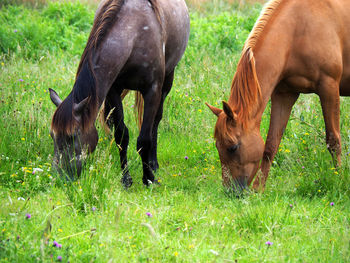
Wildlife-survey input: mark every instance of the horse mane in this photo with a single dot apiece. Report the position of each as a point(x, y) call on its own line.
point(63, 120)
point(245, 94)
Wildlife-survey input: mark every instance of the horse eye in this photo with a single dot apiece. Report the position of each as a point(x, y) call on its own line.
point(233, 148)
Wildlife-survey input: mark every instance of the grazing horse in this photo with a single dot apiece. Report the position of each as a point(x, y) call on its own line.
point(299, 46)
point(133, 45)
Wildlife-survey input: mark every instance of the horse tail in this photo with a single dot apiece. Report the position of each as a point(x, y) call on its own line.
point(106, 118)
point(139, 108)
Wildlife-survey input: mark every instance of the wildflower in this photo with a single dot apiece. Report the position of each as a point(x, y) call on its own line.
point(20, 80)
point(55, 244)
point(176, 253)
point(93, 209)
point(191, 246)
point(186, 157)
point(15, 31)
point(290, 205)
point(59, 245)
point(60, 230)
point(28, 216)
point(303, 167)
point(331, 204)
point(268, 243)
point(149, 214)
point(59, 258)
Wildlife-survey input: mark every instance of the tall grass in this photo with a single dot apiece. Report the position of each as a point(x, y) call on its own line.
point(304, 211)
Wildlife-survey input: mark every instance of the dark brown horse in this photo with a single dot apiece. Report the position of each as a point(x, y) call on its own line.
point(299, 46)
point(133, 45)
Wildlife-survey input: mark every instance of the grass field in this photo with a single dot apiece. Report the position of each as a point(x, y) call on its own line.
point(303, 216)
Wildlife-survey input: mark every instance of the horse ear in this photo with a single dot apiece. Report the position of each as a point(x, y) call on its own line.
point(55, 98)
point(228, 111)
point(78, 108)
point(216, 111)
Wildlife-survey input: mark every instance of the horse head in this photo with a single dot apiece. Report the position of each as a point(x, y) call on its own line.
point(240, 149)
point(71, 146)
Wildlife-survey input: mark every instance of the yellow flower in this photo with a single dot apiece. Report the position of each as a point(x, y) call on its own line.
point(60, 230)
point(4, 229)
point(191, 246)
point(200, 110)
point(174, 175)
point(287, 150)
point(23, 139)
point(176, 254)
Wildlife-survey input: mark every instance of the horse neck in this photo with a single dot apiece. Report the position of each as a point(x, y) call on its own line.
point(271, 54)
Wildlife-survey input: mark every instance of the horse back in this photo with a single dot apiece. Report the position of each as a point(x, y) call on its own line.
point(310, 40)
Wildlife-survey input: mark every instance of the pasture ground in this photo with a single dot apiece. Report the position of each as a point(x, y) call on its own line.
point(304, 211)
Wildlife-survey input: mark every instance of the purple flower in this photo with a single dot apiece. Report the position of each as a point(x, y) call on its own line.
point(186, 157)
point(93, 209)
point(332, 204)
point(290, 205)
point(59, 245)
point(55, 244)
point(28, 216)
point(149, 214)
point(59, 258)
point(15, 31)
point(269, 243)
point(21, 80)
point(302, 167)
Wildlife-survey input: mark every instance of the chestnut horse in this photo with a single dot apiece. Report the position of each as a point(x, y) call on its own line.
point(299, 46)
point(133, 45)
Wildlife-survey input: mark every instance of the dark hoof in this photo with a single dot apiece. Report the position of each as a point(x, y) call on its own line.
point(126, 180)
point(155, 182)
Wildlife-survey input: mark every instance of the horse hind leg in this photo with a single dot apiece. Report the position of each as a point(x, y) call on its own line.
point(121, 133)
point(330, 102)
point(168, 82)
point(152, 98)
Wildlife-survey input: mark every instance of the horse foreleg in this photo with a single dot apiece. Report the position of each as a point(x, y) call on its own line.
point(121, 134)
point(168, 82)
point(329, 96)
point(281, 106)
point(152, 98)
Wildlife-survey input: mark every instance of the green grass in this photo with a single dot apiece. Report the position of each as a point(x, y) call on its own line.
point(193, 218)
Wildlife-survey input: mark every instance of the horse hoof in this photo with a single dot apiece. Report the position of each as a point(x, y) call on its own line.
point(148, 182)
point(126, 181)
